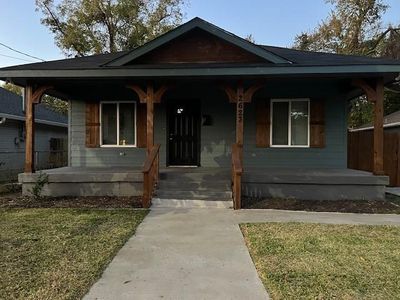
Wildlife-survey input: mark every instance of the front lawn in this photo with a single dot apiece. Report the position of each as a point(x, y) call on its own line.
point(59, 253)
point(316, 261)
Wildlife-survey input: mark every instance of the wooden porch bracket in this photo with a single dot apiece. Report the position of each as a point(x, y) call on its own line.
point(39, 92)
point(149, 92)
point(149, 96)
point(32, 97)
point(374, 91)
point(247, 94)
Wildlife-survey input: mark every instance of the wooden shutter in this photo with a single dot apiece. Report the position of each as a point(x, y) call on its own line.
point(262, 123)
point(92, 124)
point(141, 125)
point(317, 123)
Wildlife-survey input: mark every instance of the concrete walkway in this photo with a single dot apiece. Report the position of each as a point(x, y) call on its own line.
point(182, 254)
point(191, 253)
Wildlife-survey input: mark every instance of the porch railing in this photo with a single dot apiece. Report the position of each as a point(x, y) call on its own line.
point(150, 174)
point(237, 170)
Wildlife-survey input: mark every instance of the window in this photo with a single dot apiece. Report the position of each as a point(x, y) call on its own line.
point(118, 124)
point(290, 123)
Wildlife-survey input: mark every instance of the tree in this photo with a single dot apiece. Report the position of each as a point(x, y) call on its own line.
point(84, 27)
point(349, 29)
point(52, 102)
point(355, 27)
point(12, 88)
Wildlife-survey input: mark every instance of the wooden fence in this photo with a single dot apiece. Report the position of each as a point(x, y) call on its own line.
point(360, 153)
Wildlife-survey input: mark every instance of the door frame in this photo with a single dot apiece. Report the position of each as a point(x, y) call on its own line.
point(196, 102)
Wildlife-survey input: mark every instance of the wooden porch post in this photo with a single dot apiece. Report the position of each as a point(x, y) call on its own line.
point(239, 120)
point(30, 130)
point(375, 94)
point(150, 117)
point(239, 96)
point(378, 129)
point(32, 97)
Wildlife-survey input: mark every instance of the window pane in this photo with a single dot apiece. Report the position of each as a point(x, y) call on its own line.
point(127, 124)
point(280, 123)
point(299, 123)
point(109, 124)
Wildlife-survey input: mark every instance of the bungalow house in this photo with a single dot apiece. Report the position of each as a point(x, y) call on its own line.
point(208, 115)
point(52, 131)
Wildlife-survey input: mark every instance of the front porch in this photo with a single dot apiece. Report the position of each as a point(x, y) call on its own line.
point(195, 183)
point(274, 120)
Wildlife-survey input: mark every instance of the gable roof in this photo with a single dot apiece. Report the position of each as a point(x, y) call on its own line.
point(197, 23)
point(11, 108)
point(278, 61)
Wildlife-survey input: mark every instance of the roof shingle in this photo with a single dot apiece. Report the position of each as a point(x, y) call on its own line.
point(11, 104)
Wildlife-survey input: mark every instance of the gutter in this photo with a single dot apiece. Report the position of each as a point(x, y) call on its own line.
point(39, 121)
point(395, 124)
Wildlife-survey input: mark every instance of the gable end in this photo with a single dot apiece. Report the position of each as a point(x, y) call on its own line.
point(198, 46)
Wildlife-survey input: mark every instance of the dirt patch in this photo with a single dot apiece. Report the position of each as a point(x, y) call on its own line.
point(345, 206)
point(15, 200)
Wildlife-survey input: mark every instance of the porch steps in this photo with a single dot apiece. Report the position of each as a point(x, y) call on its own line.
point(180, 186)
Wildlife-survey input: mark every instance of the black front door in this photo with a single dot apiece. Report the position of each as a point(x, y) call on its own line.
point(184, 133)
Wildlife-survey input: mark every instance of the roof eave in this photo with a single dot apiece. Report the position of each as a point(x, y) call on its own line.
point(39, 121)
point(202, 72)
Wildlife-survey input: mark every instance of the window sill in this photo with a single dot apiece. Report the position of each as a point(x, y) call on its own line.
point(118, 146)
point(289, 147)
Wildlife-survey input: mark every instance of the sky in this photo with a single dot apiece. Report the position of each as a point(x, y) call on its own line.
point(270, 22)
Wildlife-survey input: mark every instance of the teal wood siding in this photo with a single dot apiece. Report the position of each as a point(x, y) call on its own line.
point(160, 130)
point(80, 156)
point(216, 139)
point(333, 155)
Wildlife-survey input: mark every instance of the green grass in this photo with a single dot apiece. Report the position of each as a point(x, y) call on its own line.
point(315, 261)
point(59, 253)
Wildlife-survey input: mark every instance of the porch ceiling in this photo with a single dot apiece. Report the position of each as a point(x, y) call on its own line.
point(115, 89)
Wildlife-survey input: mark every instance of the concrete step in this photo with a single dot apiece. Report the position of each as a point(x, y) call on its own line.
point(197, 177)
point(194, 194)
point(180, 203)
point(194, 186)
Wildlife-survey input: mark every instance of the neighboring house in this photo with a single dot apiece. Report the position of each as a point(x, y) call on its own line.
point(51, 131)
point(391, 123)
point(275, 117)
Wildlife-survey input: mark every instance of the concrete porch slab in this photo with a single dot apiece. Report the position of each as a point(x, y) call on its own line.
point(393, 191)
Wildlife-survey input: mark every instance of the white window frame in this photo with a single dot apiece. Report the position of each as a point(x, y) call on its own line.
point(289, 100)
point(118, 125)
